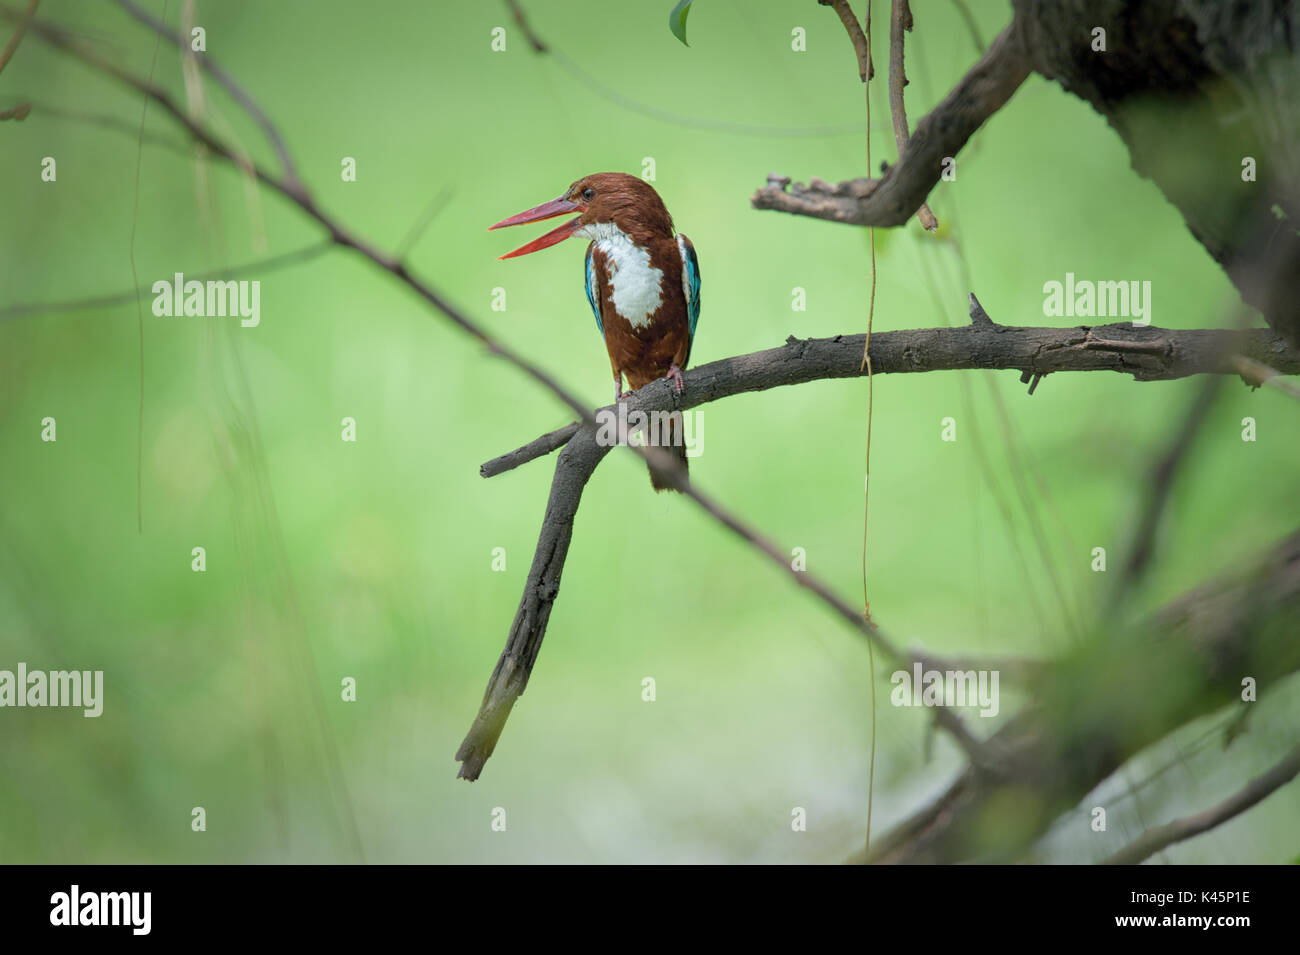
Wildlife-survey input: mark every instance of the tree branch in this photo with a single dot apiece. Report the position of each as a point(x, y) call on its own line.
point(1256, 374)
point(866, 70)
point(900, 19)
point(260, 267)
point(1147, 353)
point(573, 468)
point(19, 29)
point(1257, 790)
point(896, 196)
point(521, 21)
point(537, 448)
point(228, 83)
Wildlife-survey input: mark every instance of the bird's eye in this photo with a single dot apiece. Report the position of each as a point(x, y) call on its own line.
point(588, 193)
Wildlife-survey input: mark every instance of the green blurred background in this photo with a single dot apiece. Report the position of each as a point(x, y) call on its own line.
point(373, 560)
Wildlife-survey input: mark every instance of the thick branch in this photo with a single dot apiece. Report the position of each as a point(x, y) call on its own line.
point(896, 197)
point(1258, 789)
point(1148, 354)
point(573, 468)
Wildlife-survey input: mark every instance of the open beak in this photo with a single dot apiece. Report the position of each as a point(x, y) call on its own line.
point(547, 210)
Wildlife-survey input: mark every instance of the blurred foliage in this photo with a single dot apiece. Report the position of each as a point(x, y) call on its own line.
point(372, 559)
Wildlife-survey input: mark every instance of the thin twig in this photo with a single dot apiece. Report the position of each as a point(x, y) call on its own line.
point(1254, 792)
point(1256, 374)
point(237, 93)
point(522, 22)
point(900, 19)
point(135, 280)
point(861, 48)
point(971, 26)
point(260, 267)
point(538, 447)
point(44, 110)
point(23, 22)
point(418, 227)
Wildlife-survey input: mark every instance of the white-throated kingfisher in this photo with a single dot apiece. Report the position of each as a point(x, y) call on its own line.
point(643, 280)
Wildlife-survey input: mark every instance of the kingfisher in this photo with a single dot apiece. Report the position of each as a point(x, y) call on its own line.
point(643, 281)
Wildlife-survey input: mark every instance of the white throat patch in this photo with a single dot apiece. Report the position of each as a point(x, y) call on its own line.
point(636, 284)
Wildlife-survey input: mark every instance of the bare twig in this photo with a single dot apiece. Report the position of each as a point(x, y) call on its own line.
point(971, 26)
point(418, 227)
point(538, 447)
point(900, 19)
point(1256, 373)
point(105, 121)
point(866, 69)
point(1147, 353)
point(522, 22)
point(260, 267)
point(19, 29)
point(237, 93)
point(895, 197)
point(1258, 789)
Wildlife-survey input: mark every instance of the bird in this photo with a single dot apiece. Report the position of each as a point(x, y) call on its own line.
point(642, 280)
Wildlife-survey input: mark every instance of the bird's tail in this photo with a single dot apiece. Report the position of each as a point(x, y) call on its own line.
point(672, 441)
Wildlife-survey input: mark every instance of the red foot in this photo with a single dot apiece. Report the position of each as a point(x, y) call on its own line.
point(675, 376)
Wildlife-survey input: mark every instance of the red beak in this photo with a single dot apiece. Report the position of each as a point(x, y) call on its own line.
point(547, 210)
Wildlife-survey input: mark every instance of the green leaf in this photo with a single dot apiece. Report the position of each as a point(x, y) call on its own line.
point(677, 20)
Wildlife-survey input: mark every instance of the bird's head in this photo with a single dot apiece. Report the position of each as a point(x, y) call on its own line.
point(606, 203)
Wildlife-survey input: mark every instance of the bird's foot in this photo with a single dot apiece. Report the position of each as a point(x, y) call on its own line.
point(675, 376)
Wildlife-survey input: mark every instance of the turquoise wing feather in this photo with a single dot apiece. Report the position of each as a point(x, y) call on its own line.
point(593, 290)
point(691, 279)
